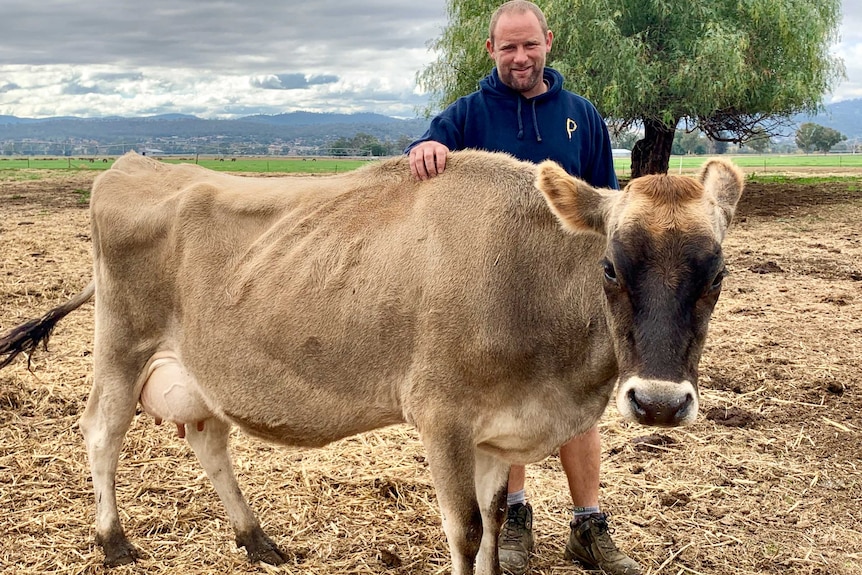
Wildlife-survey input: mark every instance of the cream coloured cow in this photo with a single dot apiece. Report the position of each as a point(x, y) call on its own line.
point(493, 307)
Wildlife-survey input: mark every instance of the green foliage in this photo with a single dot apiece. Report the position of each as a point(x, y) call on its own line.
point(83, 195)
point(690, 143)
point(811, 136)
point(363, 145)
point(625, 140)
point(463, 60)
point(760, 142)
point(705, 61)
point(805, 137)
point(725, 66)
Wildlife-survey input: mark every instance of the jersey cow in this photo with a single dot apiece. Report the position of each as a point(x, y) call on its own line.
point(493, 307)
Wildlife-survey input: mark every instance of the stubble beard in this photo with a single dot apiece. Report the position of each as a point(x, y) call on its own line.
point(523, 85)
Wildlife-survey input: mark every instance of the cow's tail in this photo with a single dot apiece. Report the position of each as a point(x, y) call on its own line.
point(28, 335)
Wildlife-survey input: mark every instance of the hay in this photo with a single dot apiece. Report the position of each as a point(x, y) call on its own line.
point(768, 482)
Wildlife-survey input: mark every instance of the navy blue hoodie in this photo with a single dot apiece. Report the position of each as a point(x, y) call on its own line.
point(556, 125)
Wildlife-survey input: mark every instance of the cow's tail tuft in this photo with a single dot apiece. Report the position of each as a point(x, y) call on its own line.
point(26, 337)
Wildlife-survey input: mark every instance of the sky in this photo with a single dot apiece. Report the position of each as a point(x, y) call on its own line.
point(232, 58)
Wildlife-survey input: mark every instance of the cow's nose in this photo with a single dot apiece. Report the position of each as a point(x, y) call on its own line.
point(665, 411)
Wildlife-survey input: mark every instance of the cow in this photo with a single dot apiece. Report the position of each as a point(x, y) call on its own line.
point(494, 308)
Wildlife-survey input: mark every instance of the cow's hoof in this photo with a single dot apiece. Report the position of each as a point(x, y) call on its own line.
point(118, 551)
point(261, 548)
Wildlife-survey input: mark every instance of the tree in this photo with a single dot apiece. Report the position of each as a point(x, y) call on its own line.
point(811, 136)
point(723, 67)
point(760, 141)
point(624, 140)
point(361, 144)
point(689, 143)
point(341, 147)
point(717, 146)
point(827, 137)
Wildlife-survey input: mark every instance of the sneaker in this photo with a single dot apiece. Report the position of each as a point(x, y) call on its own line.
point(516, 539)
point(590, 544)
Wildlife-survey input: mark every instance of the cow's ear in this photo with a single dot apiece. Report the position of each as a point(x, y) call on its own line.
point(578, 206)
point(724, 182)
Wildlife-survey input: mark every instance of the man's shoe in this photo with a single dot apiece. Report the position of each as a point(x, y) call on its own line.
point(516, 539)
point(590, 544)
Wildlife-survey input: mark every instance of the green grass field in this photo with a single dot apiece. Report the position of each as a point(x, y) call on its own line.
point(758, 163)
point(765, 162)
point(240, 164)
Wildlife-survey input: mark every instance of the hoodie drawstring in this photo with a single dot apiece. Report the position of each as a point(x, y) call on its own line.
point(521, 121)
point(536, 123)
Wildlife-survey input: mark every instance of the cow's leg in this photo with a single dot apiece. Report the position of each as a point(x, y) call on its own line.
point(104, 424)
point(211, 447)
point(492, 475)
point(451, 461)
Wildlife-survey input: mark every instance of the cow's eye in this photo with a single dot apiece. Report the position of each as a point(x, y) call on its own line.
point(610, 271)
point(716, 281)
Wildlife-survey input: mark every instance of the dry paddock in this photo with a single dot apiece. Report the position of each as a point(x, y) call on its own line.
point(769, 480)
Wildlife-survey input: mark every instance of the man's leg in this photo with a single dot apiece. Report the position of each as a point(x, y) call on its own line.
point(590, 540)
point(581, 458)
point(516, 537)
point(517, 478)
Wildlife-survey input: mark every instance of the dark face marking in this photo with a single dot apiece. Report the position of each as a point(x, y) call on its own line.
point(661, 291)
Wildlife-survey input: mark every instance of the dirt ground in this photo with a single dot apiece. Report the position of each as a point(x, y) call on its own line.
point(769, 479)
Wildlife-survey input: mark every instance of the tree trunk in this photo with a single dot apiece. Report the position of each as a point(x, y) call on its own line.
point(651, 154)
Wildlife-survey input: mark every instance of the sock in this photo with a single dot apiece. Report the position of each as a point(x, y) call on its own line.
point(581, 513)
point(516, 497)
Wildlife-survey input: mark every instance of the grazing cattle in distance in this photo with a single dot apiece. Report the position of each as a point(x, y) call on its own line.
point(493, 307)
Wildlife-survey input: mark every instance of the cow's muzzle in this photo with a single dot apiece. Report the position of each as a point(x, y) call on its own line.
point(657, 402)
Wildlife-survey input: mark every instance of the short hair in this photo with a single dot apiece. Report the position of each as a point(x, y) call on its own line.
point(517, 7)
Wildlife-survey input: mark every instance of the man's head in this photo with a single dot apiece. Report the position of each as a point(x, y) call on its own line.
point(518, 42)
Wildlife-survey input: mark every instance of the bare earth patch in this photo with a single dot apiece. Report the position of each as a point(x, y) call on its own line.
point(769, 480)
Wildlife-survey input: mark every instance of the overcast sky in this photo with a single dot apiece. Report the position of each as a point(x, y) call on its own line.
point(230, 58)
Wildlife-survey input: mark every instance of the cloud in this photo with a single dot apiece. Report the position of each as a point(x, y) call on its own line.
point(116, 76)
point(323, 79)
point(215, 59)
point(76, 89)
point(230, 37)
point(224, 59)
point(290, 81)
point(849, 49)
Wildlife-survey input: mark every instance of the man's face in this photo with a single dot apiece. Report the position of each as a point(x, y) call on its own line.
point(519, 50)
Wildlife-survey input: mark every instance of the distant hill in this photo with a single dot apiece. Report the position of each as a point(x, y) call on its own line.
point(184, 133)
point(318, 119)
point(296, 132)
point(845, 117)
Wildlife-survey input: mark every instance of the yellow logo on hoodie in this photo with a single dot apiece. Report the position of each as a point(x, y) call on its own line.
point(571, 126)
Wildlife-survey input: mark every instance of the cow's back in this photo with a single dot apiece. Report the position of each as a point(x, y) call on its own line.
point(365, 284)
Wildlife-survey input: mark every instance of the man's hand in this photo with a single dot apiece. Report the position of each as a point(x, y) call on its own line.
point(428, 159)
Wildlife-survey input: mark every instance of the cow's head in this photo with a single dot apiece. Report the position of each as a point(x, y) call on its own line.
point(662, 274)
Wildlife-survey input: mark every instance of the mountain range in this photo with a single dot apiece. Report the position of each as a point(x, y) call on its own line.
point(845, 117)
point(180, 133)
point(295, 132)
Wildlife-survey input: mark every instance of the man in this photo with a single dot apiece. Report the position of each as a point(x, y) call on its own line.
point(521, 108)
